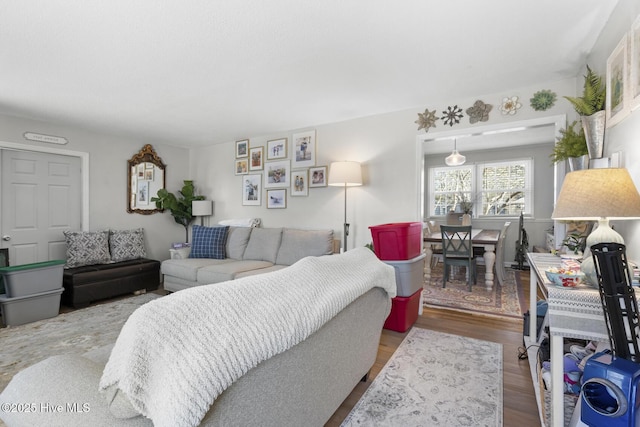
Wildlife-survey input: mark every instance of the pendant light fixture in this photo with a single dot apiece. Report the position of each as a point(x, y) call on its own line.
point(455, 158)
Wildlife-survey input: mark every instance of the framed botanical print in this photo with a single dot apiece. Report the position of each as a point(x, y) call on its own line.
point(276, 174)
point(300, 182)
point(242, 148)
point(318, 176)
point(276, 199)
point(242, 166)
point(634, 65)
point(617, 104)
point(304, 149)
point(256, 158)
point(277, 149)
point(252, 190)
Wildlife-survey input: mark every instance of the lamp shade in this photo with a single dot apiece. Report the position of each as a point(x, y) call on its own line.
point(455, 159)
point(201, 208)
point(348, 174)
point(593, 194)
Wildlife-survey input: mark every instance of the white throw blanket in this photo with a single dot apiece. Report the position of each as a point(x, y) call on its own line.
point(177, 354)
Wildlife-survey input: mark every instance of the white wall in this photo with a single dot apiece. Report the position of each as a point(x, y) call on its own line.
point(625, 136)
point(386, 145)
point(108, 178)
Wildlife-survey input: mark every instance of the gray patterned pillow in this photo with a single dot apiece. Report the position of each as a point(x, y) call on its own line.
point(127, 244)
point(87, 248)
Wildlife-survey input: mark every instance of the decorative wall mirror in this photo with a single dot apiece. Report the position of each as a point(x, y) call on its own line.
point(146, 176)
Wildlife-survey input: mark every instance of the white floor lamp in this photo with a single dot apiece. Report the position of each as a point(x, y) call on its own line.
point(345, 174)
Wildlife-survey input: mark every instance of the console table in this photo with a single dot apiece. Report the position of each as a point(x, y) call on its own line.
point(572, 313)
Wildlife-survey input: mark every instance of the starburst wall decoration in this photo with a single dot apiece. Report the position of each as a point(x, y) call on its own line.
point(426, 120)
point(452, 115)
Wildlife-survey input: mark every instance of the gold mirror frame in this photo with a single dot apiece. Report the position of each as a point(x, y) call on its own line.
point(146, 174)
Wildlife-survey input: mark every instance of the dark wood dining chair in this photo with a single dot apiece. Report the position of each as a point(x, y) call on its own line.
point(457, 249)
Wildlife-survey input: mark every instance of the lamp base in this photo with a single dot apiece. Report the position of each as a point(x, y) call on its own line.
point(603, 234)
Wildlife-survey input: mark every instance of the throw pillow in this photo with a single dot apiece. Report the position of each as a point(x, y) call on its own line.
point(87, 248)
point(127, 244)
point(263, 244)
point(208, 242)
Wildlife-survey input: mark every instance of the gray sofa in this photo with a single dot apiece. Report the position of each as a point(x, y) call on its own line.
point(303, 385)
point(248, 250)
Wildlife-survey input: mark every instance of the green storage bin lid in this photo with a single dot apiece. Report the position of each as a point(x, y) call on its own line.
point(14, 268)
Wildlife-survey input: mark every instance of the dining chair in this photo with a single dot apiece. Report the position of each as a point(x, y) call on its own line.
point(499, 265)
point(436, 248)
point(457, 249)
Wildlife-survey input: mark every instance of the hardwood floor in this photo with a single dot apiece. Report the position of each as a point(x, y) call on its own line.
point(520, 408)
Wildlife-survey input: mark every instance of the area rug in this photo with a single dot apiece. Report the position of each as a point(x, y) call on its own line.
point(71, 333)
point(435, 379)
point(506, 300)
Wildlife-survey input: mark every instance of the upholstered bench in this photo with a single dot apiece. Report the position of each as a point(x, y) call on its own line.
point(83, 285)
point(105, 264)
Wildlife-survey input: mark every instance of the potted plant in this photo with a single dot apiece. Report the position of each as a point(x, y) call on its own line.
point(180, 207)
point(590, 107)
point(572, 146)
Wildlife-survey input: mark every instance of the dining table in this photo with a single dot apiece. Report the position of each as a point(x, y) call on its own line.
point(480, 238)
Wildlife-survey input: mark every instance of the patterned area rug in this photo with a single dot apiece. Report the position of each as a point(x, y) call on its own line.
point(506, 300)
point(435, 379)
point(71, 333)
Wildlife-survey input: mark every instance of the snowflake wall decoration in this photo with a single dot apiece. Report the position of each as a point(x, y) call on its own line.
point(543, 100)
point(510, 106)
point(452, 115)
point(426, 120)
point(479, 112)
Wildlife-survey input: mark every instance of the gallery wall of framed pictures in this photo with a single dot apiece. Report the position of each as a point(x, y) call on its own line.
point(280, 166)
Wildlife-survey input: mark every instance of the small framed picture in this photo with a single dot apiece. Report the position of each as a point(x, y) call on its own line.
point(242, 166)
point(318, 176)
point(251, 190)
point(300, 182)
point(256, 159)
point(276, 174)
point(142, 193)
point(148, 174)
point(304, 149)
point(277, 149)
point(634, 65)
point(276, 199)
point(242, 148)
point(617, 104)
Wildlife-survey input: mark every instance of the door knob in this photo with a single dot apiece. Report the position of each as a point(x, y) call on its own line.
point(6, 238)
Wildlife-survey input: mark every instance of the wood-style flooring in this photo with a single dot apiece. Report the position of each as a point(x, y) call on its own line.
point(520, 408)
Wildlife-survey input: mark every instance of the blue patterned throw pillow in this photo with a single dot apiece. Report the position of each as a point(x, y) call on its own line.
point(208, 242)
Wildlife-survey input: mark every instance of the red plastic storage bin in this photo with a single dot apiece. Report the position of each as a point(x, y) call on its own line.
point(404, 312)
point(397, 241)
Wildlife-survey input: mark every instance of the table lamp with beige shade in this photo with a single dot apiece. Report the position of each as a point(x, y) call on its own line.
point(597, 195)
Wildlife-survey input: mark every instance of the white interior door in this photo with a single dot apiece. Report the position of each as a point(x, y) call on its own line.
point(41, 197)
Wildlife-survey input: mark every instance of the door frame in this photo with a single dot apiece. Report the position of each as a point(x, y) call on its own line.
point(84, 172)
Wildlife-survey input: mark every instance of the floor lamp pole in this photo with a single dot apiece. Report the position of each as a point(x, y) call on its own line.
point(346, 225)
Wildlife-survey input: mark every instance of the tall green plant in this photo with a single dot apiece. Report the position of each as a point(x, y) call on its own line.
point(180, 207)
point(593, 96)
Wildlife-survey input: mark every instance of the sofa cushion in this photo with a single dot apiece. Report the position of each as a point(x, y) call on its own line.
point(126, 244)
point(228, 271)
point(263, 244)
point(208, 242)
point(87, 247)
point(237, 240)
point(187, 269)
point(297, 244)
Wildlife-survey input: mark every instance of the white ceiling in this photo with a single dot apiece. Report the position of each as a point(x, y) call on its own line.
point(209, 71)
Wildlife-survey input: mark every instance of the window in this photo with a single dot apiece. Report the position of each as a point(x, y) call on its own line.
point(492, 189)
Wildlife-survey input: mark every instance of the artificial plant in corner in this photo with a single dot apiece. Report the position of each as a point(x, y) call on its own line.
point(570, 144)
point(180, 207)
point(591, 106)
